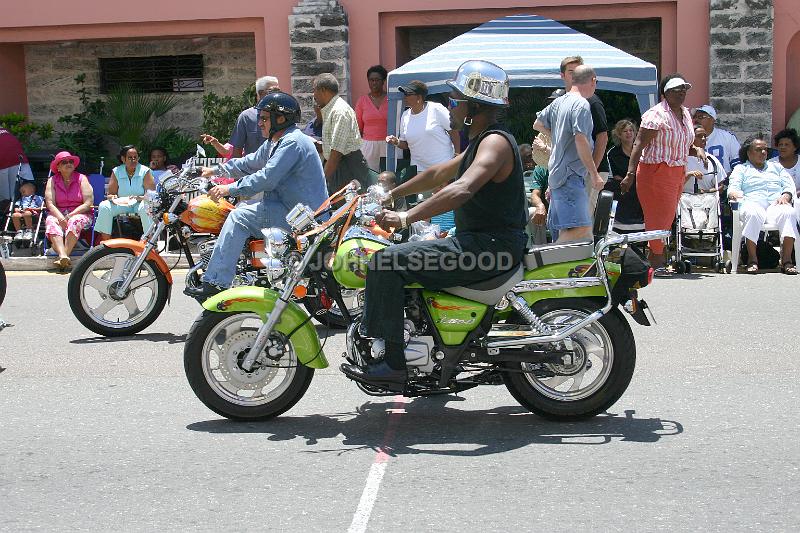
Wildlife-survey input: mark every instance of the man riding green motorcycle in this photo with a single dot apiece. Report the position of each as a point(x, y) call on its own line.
point(442, 316)
point(490, 216)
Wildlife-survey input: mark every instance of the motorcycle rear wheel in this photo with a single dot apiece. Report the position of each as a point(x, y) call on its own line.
point(605, 353)
point(215, 347)
point(97, 310)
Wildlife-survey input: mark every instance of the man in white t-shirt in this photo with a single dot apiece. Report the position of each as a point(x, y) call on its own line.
point(424, 128)
point(722, 144)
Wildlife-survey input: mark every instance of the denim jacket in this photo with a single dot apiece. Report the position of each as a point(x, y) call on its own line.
point(287, 171)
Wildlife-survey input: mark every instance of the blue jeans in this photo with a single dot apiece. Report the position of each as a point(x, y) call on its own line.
point(243, 222)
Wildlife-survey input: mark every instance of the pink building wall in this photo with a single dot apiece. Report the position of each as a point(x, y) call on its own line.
point(786, 62)
point(372, 32)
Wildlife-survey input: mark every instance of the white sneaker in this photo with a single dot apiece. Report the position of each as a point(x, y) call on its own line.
point(20, 235)
point(28, 236)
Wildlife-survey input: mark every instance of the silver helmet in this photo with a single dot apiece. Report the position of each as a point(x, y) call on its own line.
point(482, 82)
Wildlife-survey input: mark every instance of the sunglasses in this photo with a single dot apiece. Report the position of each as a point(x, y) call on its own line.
point(67, 162)
point(262, 119)
point(455, 101)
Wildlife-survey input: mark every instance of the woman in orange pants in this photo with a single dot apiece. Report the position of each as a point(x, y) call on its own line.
point(658, 159)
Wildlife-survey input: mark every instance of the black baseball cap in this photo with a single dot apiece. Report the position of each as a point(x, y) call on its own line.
point(414, 87)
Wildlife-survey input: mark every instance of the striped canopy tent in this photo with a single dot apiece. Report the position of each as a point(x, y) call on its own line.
point(530, 49)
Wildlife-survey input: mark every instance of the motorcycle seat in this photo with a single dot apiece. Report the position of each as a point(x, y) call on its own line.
point(550, 254)
point(489, 291)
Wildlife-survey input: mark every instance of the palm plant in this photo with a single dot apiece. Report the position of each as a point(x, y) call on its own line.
point(128, 113)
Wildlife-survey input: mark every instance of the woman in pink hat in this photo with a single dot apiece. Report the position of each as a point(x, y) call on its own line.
point(69, 199)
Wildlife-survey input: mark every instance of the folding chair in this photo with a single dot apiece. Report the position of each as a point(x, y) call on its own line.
point(736, 242)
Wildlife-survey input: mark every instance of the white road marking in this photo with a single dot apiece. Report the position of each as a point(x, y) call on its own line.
point(378, 469)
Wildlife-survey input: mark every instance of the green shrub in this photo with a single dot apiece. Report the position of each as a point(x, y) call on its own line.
point(29, 133)
point(220, 113)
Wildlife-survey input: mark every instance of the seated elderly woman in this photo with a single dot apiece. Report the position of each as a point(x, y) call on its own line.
point(68, 197)
point(126, 189)
point(766, 192)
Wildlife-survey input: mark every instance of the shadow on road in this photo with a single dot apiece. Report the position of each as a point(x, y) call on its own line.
point(170, 338)
point(429, 426)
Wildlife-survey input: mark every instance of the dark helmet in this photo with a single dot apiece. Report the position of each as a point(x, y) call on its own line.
point(280, 104)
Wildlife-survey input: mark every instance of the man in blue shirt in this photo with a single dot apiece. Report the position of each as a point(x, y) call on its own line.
point(287, 170)
point(247, 137)
point(568, 120)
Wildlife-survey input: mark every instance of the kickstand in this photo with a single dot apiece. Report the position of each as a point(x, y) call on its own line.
point(4, 324)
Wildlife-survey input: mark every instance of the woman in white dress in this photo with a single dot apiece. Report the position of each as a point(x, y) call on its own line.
point(788, 142)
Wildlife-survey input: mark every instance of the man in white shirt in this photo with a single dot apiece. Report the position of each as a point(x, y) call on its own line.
point(722, 144)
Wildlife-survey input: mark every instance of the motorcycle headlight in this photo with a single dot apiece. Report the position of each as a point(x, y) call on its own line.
point(275, 270)
point(300, 218)
point(276, 242)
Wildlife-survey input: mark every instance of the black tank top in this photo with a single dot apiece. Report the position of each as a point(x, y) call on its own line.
point(496, 207)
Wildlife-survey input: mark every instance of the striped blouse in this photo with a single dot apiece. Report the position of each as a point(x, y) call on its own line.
point(672, 143)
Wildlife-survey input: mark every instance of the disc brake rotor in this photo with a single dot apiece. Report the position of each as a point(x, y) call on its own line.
point(234, 351)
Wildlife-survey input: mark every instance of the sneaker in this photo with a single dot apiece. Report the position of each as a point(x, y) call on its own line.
point(28, 235)
point(20, 235)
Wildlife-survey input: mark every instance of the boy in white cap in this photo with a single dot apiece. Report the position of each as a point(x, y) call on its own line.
point(720, 143)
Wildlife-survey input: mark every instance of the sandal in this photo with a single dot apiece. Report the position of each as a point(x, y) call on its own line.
point(663, 272)
point(752, 268)
point(790, 269)
point(64, 262)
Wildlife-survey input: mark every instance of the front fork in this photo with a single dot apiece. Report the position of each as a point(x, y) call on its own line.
point(152, 241)
point(266, 328)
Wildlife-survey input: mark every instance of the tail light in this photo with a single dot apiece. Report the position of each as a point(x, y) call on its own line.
point(650, 275)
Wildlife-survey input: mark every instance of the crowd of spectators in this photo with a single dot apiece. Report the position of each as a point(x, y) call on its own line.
point(650, 168)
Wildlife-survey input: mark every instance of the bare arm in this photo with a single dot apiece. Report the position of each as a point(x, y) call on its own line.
point(149, 182)
point(113, 187)
point(539, 126)
point(493, 156)
point(430, 178)
point(50, 200)
point(600, 144)
point(392, 139)
point(585, 153)
point(540, 211)
point(643, 138)
point(88, 199)
point(456, 139)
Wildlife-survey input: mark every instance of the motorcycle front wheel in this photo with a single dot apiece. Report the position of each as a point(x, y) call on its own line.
point(602, 366)
point(95, 303)
point(212, 359)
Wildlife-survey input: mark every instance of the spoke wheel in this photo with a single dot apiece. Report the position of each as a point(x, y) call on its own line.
point(591, 380)
point(215, 349)
point(97, 305)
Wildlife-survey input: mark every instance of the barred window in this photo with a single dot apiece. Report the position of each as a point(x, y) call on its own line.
point(155, 74)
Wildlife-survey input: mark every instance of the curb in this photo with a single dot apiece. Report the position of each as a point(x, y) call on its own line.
point(45, 263)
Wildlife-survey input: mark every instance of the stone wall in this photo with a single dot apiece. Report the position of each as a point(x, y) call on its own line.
point(318, 36)
point(741, 65)
point(229, 66)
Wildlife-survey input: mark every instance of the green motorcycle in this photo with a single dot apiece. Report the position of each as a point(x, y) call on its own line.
point(551, 329)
